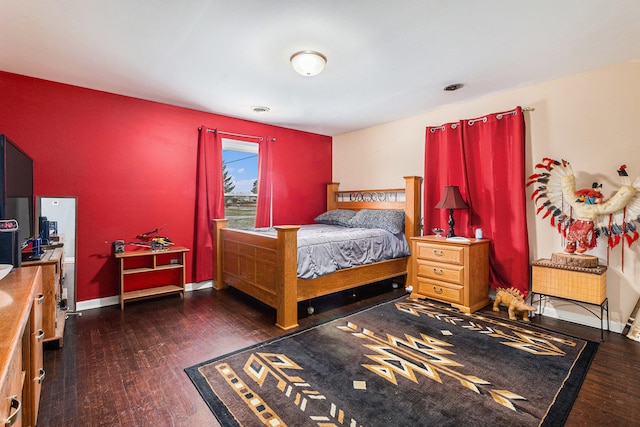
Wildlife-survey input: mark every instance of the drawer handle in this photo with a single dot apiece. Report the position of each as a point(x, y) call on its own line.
point(15, 404)
point(41, 377)
point(40, 298)
point(437, 291)
point(40, 334)
point(436, 271)
point(437, 252)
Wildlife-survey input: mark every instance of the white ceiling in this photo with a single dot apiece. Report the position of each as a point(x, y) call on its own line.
point(387, 59)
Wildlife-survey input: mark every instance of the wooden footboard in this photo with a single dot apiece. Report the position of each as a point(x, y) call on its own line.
point(265, 267)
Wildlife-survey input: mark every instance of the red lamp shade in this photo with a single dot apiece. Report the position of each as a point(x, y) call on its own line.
point(451, 199)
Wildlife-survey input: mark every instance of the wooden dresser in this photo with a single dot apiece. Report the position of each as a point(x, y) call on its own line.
point(52, 264)
point(450, 271)
point(21, 336)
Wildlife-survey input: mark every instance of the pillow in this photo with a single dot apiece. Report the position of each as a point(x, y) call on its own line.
point(335, 217)
point(391, 220)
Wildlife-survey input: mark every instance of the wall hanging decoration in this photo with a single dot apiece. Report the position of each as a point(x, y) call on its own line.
point(583, 215)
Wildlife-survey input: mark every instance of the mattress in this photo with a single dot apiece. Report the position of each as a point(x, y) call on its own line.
point(324, 249)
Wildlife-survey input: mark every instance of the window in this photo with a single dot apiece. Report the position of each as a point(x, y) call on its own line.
point(240, 174)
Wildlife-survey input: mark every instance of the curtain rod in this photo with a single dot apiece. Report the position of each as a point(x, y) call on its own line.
point(235, 134)
point(259, 138)
point(482, 119)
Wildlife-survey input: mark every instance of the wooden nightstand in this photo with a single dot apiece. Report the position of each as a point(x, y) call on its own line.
point(450, 271)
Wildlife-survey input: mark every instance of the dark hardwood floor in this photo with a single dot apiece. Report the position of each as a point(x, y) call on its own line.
point(126, 367)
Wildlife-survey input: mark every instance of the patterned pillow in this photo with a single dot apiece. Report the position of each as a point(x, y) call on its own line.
point(391, 220)
point(336, 217)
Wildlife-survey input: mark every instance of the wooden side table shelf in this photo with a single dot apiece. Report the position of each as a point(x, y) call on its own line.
point(143, 261)
point(574, 284)
point(451, 271)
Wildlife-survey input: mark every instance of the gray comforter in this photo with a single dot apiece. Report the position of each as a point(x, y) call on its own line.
point(324, 249)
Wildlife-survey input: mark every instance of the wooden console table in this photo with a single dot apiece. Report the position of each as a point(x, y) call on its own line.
point(574, 284)
point(144, 261)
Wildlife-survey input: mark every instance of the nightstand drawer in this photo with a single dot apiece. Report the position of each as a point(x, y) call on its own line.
point(448, 273)
point(440, 253)
point(440, 291)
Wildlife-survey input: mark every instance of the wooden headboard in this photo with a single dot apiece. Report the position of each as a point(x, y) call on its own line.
point(407, 199)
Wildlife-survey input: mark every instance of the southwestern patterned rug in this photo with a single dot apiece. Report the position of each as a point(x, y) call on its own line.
point(401, 363)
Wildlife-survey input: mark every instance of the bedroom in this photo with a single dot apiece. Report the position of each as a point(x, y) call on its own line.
point(94, 145)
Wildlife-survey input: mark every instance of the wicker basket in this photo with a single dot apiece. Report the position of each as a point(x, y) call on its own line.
point(580, 284)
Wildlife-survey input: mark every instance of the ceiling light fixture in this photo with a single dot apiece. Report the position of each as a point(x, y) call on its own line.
point(260, 109)
point(308, 62)
point(453, 87)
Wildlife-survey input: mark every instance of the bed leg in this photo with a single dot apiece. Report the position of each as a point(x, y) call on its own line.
point(218, 225)
point(287, 277)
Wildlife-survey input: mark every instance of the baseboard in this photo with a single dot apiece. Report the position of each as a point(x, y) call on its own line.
point(565, 310)
point(200, 285)
point(115, 300)
point(97, 303)
point(586, 318)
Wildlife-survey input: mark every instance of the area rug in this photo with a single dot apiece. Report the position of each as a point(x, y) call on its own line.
point(401, 363)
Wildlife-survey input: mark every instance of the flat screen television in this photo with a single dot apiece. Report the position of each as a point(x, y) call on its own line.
point(16, 188)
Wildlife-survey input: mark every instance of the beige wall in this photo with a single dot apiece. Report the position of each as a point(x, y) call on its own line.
point(590, 119)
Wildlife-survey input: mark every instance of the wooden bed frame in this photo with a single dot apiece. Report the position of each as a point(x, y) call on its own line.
point(265, 267)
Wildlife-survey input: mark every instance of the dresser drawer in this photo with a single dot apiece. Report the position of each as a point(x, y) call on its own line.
point(440, 253)
point(435, 271)
point(440, 291)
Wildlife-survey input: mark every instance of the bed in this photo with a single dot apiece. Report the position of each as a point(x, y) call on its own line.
point(265, 266)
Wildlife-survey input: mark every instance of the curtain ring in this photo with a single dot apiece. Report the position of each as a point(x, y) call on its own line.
point(471, 122)
point(501, 115)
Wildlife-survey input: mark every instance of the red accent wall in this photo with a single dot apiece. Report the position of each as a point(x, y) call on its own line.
point(131, 164)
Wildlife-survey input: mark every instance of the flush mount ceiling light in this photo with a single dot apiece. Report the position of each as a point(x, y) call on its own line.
point(308, 62)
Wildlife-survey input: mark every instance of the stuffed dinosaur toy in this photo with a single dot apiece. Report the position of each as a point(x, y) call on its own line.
point(513, 299)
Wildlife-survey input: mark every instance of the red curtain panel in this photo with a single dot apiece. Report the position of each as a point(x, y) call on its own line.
point(263, 209)
point(442, 166)
point(209, 200)
point(488, 163)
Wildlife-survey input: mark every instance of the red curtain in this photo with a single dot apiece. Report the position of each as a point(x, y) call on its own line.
point(443, 147)
point(491, 174)
point(263, 209)
point(209, 200)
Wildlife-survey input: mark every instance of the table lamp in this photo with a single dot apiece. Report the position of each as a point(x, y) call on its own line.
point(451, 199)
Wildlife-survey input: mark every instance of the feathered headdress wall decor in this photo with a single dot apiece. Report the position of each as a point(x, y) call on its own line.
point(582, 215)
